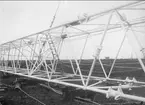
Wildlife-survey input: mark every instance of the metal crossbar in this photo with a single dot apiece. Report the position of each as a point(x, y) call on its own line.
point(36, 56)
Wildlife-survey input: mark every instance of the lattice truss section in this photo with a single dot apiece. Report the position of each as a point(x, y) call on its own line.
point(41, 55)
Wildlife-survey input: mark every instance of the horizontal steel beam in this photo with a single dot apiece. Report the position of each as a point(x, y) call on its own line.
point(109, 93)
point(77, 22)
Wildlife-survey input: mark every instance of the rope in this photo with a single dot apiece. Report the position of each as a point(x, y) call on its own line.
point(49, 87)
point(30, 95)
point(18, 87)
point(54, 15)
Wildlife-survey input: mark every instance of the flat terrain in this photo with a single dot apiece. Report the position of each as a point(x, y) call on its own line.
point(123, 68)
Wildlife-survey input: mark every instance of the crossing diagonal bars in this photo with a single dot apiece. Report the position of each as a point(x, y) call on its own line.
point(35, 56)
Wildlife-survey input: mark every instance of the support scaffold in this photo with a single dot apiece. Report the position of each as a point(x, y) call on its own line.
point(38, 56)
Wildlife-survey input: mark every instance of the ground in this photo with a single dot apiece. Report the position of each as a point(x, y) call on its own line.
point(15, 96)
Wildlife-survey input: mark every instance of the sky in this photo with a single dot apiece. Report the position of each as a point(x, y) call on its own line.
point(22, 18)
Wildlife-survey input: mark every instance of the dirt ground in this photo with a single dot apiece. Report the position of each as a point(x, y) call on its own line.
point(15, 96)
point(12, 96)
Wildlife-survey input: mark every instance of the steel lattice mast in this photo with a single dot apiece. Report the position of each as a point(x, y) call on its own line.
point(37, 55)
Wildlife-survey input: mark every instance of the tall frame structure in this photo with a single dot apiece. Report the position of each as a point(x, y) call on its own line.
point(38, 56)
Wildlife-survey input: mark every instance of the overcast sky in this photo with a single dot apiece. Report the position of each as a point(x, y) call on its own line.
point(18, 19)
